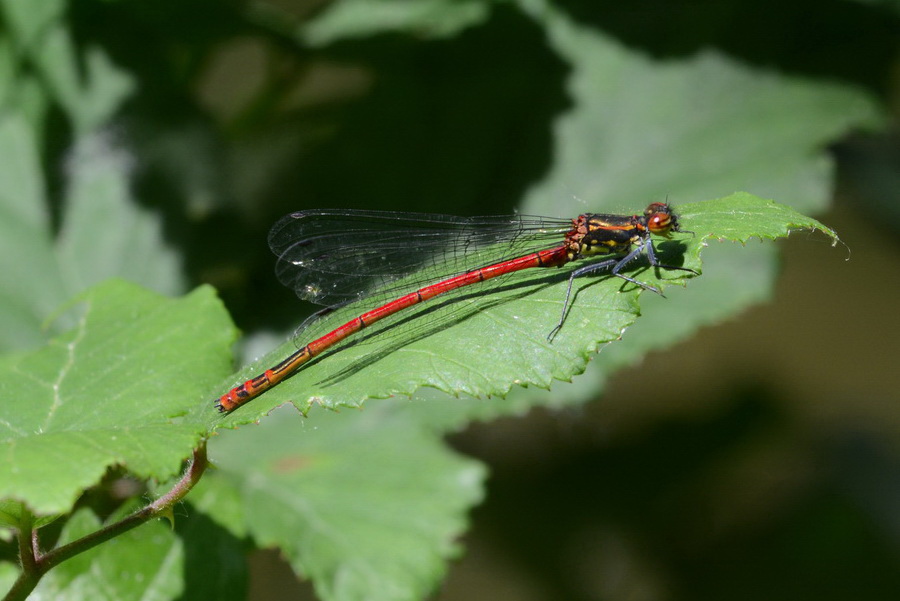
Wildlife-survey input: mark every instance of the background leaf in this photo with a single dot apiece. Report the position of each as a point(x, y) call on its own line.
point(359, 18)
point(103, 233)
point(349, 504)
point(26, 253)
point(100, 171)
point(8, 575)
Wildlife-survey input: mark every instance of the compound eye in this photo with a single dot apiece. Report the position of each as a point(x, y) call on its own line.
point(660, 223)
point(655, 207)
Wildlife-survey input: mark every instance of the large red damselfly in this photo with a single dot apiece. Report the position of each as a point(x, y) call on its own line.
point(333, 257)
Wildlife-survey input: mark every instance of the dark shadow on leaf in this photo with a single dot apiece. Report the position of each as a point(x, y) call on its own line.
point(671, 252)
point(425, 320)
point(425, 327)
point(215, 564)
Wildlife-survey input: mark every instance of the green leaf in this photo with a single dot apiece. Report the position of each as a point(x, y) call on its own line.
point(8, 575)
point(359, 18)
point(690, 129)
point(12, 514)
point(90, 98)
point(105, 232)
point(368, 505)
point(105, 393)
point(145, 563)
point(484, 344)
point(215, 561)
point(22, 194)
point(84, 82)
point(29, 19)
point(742, 216)
point(27, 257)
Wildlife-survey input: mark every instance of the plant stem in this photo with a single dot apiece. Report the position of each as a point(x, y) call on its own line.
point(35, 564)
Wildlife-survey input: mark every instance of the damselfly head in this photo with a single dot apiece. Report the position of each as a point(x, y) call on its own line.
point(661, 220)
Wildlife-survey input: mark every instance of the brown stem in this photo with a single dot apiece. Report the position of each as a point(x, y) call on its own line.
point(35, 564)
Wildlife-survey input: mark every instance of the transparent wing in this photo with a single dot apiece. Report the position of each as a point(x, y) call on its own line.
point(332, 257)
